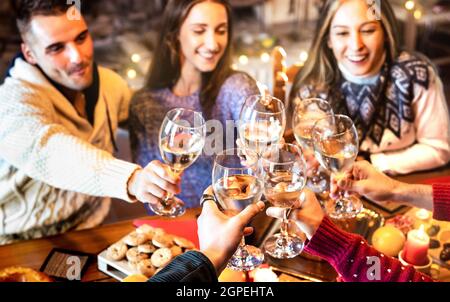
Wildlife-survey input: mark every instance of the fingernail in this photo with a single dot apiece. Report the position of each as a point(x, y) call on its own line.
point(261, 205)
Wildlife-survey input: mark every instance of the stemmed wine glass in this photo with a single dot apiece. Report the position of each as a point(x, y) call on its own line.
point(181, 140)
point(261, 122)
point(336, 147)
point(284, 172)
point(236, 184)
point(306, 114)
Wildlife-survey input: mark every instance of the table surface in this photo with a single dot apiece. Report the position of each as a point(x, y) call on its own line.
point(33, 253)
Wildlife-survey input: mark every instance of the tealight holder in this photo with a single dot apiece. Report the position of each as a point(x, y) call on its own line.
point(421, 268)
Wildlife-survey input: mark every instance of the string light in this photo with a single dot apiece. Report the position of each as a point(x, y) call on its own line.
point(234, 66)
point(303, 56)
point(265, 57)
point(131, 74)
point(243, 60)
point(417, 14)
point(409, 5)
point(136, 58)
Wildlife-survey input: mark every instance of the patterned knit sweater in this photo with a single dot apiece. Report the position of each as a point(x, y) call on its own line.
point(348, 253)
point(147, 111)
point(53, 163)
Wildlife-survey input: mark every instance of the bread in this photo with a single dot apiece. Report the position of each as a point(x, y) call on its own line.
point(22, 274)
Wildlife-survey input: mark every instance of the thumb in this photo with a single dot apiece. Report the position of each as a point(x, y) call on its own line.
point(249, 212)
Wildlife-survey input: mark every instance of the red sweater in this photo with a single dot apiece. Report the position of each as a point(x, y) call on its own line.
point(350, 254)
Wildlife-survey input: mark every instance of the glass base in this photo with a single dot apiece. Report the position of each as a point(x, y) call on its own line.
point(246, 259)
point(344, 208)
point(173, 207)
point(284, 248)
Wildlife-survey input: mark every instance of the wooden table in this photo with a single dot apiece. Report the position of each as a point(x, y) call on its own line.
point(33, 253)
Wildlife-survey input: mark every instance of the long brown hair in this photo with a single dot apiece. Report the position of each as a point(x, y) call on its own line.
point(321, 70)
point(165, 70)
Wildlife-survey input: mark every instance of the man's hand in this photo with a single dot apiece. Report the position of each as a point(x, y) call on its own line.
point(151, 184)
point(220, 234)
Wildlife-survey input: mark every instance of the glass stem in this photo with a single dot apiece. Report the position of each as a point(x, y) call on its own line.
point(281, 242)
point(169, 196)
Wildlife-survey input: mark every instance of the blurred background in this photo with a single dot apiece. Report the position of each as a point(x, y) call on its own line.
point(125, 33)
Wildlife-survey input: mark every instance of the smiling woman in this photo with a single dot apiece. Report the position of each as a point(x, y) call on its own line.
point(395, 98)
point(191, 69)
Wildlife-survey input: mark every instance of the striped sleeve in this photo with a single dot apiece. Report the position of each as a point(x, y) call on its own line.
point(190, 267)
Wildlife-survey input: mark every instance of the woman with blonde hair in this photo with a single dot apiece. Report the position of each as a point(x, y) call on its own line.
point(394, 97)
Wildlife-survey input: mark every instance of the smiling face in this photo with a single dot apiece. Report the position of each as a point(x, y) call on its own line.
point(204, 36)
point(357, 40)
point(62, 48)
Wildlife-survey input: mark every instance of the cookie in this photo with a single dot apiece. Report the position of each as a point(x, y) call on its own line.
point(146, 268)
point(161, 257)
point(147, 248)
point(183, 242)
point(176, 250)
point(117, 251)
point(162, 240)
point(135, 239)
point(147, 230)
point(133, 255)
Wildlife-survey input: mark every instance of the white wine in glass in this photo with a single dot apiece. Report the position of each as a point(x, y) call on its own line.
point(262, 122)
point(181, 139)
point(336, 147)
point(236, 185)
point(306, 114)
point(284, 172)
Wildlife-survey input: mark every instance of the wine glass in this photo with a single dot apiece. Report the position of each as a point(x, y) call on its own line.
point(236, 185)
point(284, 172)
point(306, 114)
point(336, 147)
point(261, 122)
point(181, 140)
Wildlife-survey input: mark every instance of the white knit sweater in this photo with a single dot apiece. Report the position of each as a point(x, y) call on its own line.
point(54, 164)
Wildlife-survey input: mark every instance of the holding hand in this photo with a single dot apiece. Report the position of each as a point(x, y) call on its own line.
point(365, 180)
point(152, 183)
point(306, 213)
point(220, 234)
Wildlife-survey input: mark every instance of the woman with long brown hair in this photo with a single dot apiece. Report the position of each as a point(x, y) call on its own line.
point(191, 69)
point(395, 98)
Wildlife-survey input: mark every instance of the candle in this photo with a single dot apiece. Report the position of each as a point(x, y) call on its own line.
point(423, 217)
point(416, 247)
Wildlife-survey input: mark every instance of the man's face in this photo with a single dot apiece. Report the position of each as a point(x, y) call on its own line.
point(63, 49)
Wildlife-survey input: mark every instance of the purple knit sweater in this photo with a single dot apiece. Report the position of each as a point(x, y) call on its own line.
point(147, 111)
point(348, 253)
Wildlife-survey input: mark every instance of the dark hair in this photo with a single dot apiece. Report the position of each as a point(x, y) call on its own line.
point(25, 10)
point(165, 69)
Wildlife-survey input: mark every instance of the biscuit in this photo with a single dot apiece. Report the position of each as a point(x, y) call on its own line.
point(147, 230)
point(176, 250)
point(161, 257)
point(183, 242)
point(162, 240)
point(117, 251)
point(135, 239)
point(147, 248)
point(133, 255)
point(146, 268)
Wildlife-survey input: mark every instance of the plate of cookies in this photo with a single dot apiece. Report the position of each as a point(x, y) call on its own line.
point(144, 251)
